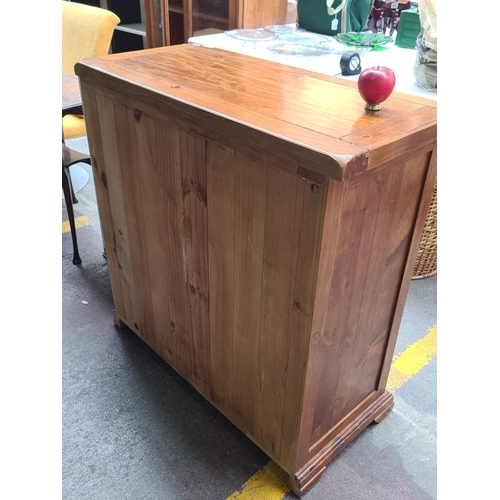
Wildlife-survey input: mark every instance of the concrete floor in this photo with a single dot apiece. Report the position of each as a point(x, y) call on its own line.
point(134, 429)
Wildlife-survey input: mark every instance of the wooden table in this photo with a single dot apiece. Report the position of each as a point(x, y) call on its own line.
point(261, 229)
point(71, 98)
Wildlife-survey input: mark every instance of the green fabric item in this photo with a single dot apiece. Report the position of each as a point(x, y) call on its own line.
point(312, 15)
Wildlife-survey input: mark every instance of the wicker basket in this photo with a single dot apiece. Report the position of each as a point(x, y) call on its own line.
point(426, 262)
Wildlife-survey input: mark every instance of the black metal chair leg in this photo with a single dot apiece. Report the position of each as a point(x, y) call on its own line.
point(71, 216)
point(70, 157)
point(71, 190)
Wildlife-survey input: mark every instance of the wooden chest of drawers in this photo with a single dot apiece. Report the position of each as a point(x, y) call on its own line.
point(261, 229)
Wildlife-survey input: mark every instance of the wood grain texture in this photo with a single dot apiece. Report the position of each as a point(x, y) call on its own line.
point(258, 13)
point(261, 245)
point(303, 108)
point(369, 247)
point(71, 98)
point(154, 35)
point(221, 257)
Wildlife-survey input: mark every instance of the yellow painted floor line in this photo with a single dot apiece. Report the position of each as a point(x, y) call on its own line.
point(266, 484)
point(270, 482)
point(412, 360)
point(84, 220)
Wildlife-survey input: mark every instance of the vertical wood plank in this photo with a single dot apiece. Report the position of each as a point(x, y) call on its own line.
point(250, 207)
point(114, 180)
point(126, 119)
point(195, 233)
point(283, 208)
point(178, 302)
point(155, 232)
point(188, 19)
point(165, 22)
point(322, 361)
point(235, 14)
point(221, 214)
point(99, 158)
point(311, 221)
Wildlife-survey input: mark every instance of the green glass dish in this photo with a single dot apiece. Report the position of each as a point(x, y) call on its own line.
point(363, 39)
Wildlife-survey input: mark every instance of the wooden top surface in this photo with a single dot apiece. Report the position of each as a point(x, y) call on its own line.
point(71, 98)
point(312, 110)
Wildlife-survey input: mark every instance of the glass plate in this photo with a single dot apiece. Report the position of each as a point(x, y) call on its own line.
point(281, 29)
point(251, 35)
point(363, 39)
point(299, 49)
point(304, 37)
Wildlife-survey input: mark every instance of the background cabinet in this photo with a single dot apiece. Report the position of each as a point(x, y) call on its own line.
point(155, 23)
point(188, 18)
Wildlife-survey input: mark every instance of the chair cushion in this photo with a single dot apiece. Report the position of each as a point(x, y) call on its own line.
point(73, 126)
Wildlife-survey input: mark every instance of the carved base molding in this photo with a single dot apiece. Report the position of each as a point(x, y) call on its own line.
point(309, 475)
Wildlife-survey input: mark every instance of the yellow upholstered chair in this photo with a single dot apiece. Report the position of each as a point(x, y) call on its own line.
point(86, 32)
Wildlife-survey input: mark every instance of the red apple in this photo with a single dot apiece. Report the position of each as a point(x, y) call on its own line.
point(375, 85)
